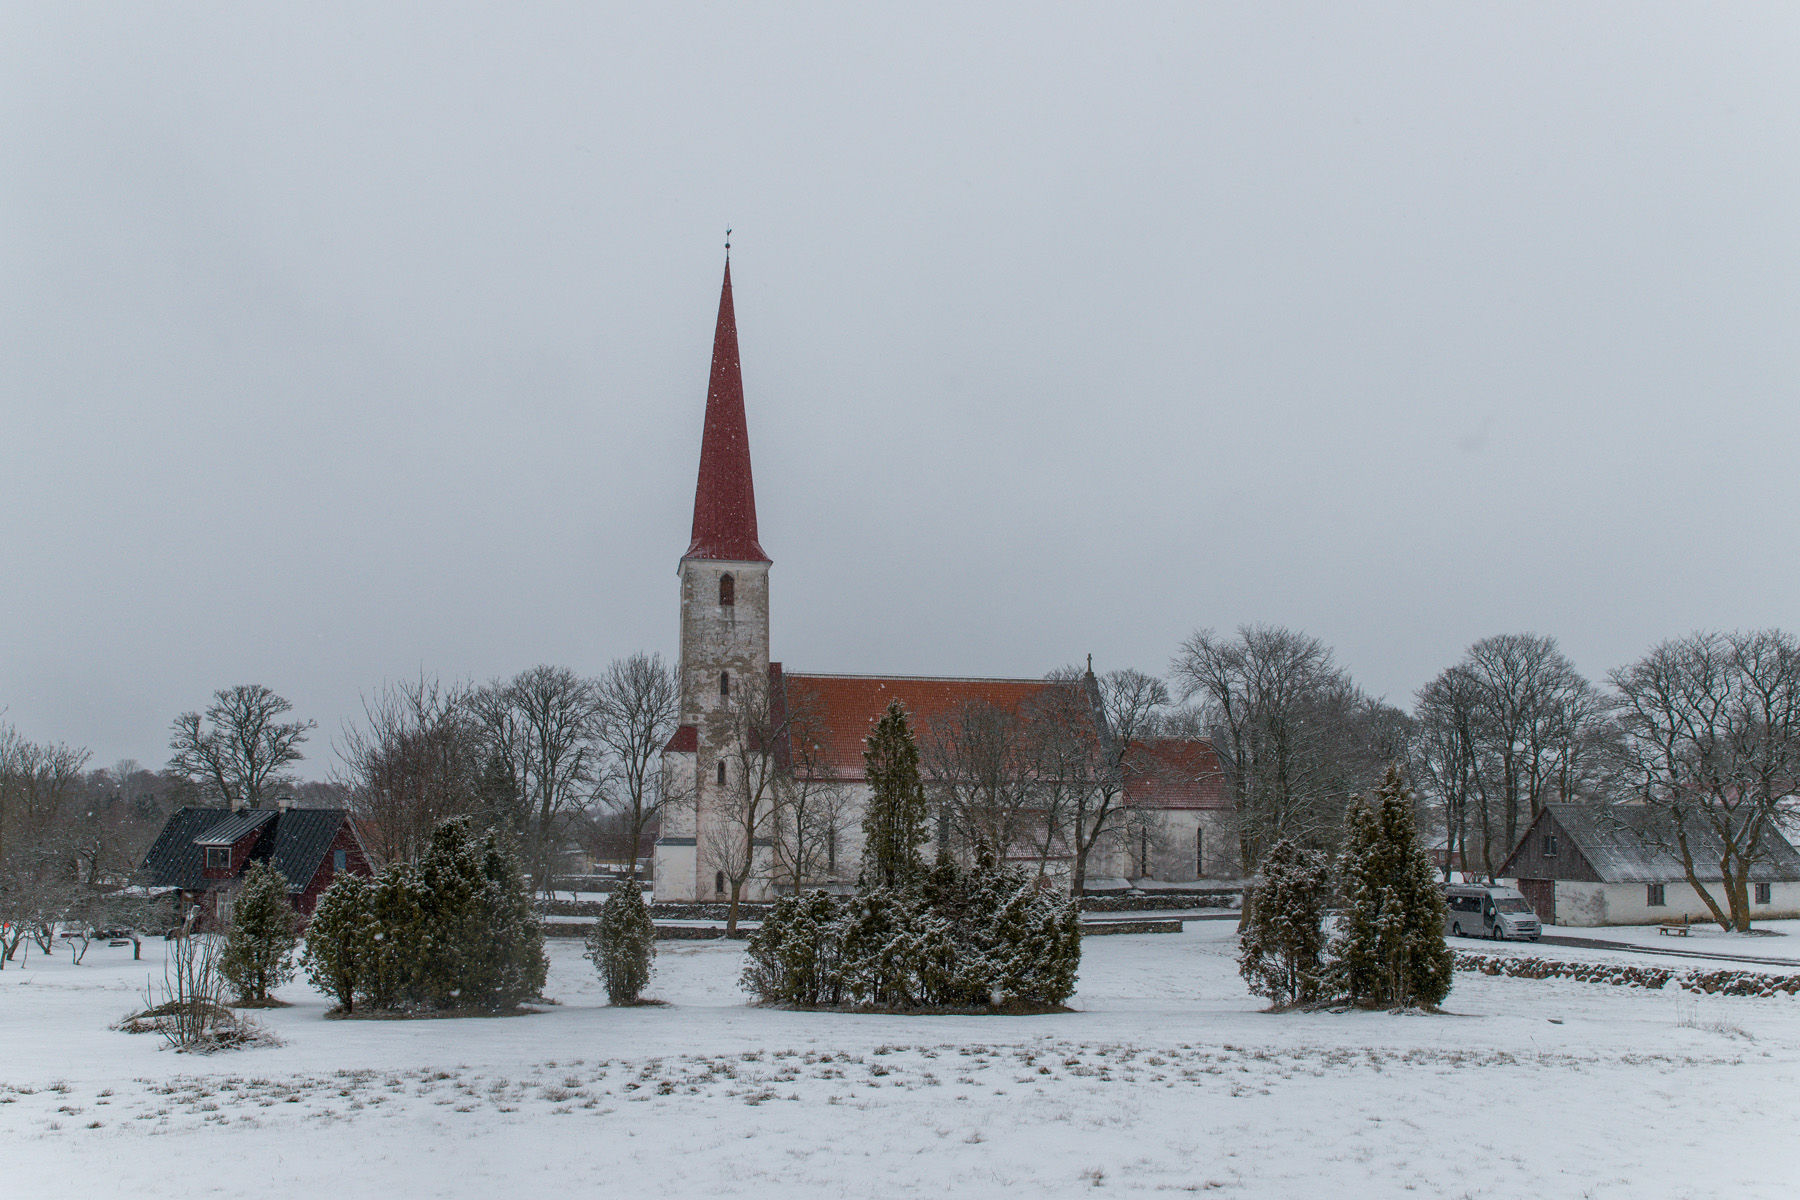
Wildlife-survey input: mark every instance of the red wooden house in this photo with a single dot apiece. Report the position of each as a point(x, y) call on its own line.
point(203, 853)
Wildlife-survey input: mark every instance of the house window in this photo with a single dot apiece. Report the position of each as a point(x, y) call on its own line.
point(1653, 895)
point(218, 858)
point(1549, 845)
point(1199, 851)
point(724, 683)
point(727, 591)
point(1763, 891)
point(719, 883)
point(721, 774)
point(339, 859)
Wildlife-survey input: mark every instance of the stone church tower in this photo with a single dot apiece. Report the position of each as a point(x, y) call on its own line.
point(724, 630)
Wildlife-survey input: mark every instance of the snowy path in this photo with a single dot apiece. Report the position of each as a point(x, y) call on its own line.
point(1169, 1079)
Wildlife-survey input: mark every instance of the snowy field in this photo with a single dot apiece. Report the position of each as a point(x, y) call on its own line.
point(1169, 1079)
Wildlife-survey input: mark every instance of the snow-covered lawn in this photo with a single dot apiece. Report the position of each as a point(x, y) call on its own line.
point(1772, 939)
point(1169, 1079)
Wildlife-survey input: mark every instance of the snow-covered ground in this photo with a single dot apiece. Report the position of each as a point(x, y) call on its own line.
point(1772, 939)
point(1169, 1079)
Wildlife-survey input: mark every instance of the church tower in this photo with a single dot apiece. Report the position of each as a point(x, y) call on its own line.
point(724, 628)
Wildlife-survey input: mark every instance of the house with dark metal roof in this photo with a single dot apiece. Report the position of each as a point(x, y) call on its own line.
point(1595, 864)
point(202, 854)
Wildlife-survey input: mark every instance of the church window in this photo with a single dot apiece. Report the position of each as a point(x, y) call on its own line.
point(1199, 851)
point(721, 774)
point(1144, 853)
point(724, 683)
point(719, 883)
point(727, 591)
point(831, 851)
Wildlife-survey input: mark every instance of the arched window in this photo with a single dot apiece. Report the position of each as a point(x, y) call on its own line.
point(1199, 852)
point(719, 883)
point(721, 774)
point(727, 590)
point(724, 683)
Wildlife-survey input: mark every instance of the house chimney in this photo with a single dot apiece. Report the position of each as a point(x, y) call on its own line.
point(284, 801)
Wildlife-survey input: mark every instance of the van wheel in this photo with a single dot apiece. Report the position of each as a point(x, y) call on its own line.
point(1455, 929)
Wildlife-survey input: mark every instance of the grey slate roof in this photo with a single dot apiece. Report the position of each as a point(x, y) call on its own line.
point(294, 840)
point(228, 831)
point(1629, 843)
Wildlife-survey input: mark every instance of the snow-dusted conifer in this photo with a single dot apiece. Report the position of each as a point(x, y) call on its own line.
point(260, 937)
point(400, 937)
point(340, 939)
point(623, 943)
point(1390, 950)
point(894, 823)
point(509, 965)
point(793, 958)
point(1282, 949)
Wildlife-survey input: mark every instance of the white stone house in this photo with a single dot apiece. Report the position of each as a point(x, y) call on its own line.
point(1592, 864)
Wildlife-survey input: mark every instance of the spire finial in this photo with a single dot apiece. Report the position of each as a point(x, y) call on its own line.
point(727, 242)
point(1090, 664)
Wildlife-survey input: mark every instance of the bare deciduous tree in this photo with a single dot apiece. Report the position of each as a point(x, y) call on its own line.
point(1120, 709)
point(813, 812)
point(977, 765)
point(414, 761)
point(1296, 737)
point(539, 728)
point(238, 752)
point(754, 760)
point(1711, 726)
point(638, 703)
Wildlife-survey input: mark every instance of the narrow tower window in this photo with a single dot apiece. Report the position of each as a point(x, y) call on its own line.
point(721, 774)
point(727, 591)
point(719, 883)
point(724, 683)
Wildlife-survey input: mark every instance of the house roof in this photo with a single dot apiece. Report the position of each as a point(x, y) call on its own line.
point(294, 840)
point(841, 710)
point(234, 827)
point(725, 496)
point(1181, 773)
point(1630, 843)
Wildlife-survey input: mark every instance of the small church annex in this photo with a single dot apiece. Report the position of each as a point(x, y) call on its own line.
point(746, 719)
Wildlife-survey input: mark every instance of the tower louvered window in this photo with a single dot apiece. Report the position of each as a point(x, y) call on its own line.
point(727, 591)
point(724, 683)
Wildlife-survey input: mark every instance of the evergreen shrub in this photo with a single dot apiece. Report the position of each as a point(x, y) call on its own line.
point(1389, 950)
point(455, 931)
point(987, 938)
point(622, 944)
point(259, 939)
point(340, 939)
point(1282, 948)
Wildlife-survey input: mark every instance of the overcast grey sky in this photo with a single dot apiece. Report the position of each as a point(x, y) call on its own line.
point(338, 341)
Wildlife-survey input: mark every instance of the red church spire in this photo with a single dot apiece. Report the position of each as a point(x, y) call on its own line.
point(725, 499)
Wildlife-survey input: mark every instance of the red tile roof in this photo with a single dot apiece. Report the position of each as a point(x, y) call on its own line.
point(1174, 773)
point(844, 708)
point(725, 497)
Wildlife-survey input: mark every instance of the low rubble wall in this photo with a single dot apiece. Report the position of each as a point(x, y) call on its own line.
point(1712, 983)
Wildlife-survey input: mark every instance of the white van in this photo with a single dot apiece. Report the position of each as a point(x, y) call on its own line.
point(1486, 910)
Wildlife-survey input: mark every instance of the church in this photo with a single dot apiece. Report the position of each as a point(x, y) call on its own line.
point(763, 780)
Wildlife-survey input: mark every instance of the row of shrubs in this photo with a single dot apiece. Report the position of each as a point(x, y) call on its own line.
point(986, 938)
point(456, 931)
point(1384, 947)
point(1721, 982)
